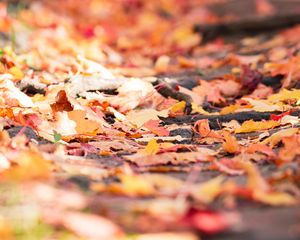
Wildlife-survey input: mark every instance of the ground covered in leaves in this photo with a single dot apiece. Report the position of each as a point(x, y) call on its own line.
point(136, 119)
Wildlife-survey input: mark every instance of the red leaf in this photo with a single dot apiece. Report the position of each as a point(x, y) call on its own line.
point(279, 116)
point(153, 126)
point(210, 222)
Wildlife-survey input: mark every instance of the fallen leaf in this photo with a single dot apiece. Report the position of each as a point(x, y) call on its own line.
point(139, 118)
point(285, 94)
point(206, 192)
point(230, 143)
point(152, 147)
point(62, 103)
point(29, 165)
point(277, 137)
point(252, 126)
point(202, 127)
point(153, 126)
point(178, 108)
point(211, 222)
point(203, 154)
point(83, 125)
point(91, 226)
point(290, 149)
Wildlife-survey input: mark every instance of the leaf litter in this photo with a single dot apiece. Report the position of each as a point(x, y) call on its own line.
point(110, 165)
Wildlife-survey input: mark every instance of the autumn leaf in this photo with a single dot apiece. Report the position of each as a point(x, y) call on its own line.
point(278, 136)
point(29, 165)
point(153, 126)
point(285, 94)
point(230, 143)
point(130, 185)
point(211, 222)
point(206, 192)
point(202, 127)
point(16, 72)
point(152, 147)
point(291, 148)
point(61, 103)
point(274, 198)
point(252, 126)
point(139, 118)
point(91, 226)
point(83, 125)
point(175, 158)
point(178, 108)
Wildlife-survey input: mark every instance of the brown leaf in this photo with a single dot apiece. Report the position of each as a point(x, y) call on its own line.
point(62, 103)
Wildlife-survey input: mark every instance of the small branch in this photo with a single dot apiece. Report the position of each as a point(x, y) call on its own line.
point(250, 25)
point(216, 120)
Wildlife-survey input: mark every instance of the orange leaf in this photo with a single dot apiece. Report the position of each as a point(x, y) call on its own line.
point(62, 103)
point(202, 127)
point(230, 143)
point(83, 125)
point(29, 165)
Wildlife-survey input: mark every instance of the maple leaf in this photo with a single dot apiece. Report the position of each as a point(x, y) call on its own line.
point(83, 125)
point(153, 126)
point(278, 136)
point(290, 149)
point(152, 147)
point(175, 158)
point(250, 78)
point(62, 103)
point(230, 143)
point(178, 108)
point(139, 118)
point(202, 127)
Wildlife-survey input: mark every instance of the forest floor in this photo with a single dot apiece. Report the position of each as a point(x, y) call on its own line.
point(136, 119)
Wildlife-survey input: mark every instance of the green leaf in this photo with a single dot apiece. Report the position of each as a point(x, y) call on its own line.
point(57, 136)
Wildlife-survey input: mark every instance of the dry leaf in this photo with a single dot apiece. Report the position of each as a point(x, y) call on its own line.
point(230, 143)
point(277, 137)
point(153, 126)
point(83, 125)
point(152, 147)
point(203, 154)
point(139, 118)
point(252, 126)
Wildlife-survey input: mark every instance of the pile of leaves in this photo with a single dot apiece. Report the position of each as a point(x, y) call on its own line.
point(119, 122)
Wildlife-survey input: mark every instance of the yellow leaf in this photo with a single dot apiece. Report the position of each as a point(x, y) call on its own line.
point(230, 109)
point(178, 107)
point(252, 126)
point(16, 72)
point(276, 137)
point(274, 198)
point(152, 147)
point(198, 109)
point(130, 185)
point(139, 118)
point(209, 190)
point(285, 94)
